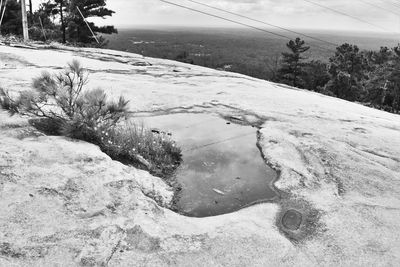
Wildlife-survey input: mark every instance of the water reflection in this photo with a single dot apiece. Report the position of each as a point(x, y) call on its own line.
point(222, 168)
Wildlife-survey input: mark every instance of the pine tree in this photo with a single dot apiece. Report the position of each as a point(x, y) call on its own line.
point(394, 79)
point(61, 4)
point(77, 29)
point(315, 75)
point(58, 8)
point(12, 21)
point(378, 73)
point(347, 68)
point(291, 69)
point(73, 26)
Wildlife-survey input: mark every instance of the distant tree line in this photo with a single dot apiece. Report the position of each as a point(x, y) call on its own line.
point(369, 77)
point(59, 20)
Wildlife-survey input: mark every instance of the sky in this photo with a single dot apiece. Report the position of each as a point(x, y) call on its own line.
point(295, 14)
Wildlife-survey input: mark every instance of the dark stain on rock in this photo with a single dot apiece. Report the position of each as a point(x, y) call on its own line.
point(45, 191)
point(136, 238)
point(298, 220)
point(29, 133)
point(7, 250)
point(88, 261)
point(12, 126)
point(340, 186)
point(300, 134)
point(360, 130)
point(292, 219)
point(118, 185)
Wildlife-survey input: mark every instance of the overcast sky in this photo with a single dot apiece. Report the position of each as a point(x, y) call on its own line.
point(285, 13)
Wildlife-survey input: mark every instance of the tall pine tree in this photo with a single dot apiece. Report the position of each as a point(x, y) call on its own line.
point(394, 79)
point(12, 21)
point(57, 8)
point(347, 68)
point(77, 29)
point(73, 26)
point(291, 69)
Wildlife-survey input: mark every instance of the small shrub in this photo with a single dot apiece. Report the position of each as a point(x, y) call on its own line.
point(60, 105)
point(130, 142)
point(60, 99)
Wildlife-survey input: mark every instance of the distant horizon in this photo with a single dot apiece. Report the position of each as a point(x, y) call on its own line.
point(363, 33)
point(336, 15)
point(323, 15)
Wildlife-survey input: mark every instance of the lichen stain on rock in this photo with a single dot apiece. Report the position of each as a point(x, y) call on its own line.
point(99, 249)
point(10, 251)
point(137, 239)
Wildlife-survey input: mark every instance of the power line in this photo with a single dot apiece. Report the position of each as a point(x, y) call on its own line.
point(237, 22)
point(345, 14)
point(226, 19)
point(379, 7)
point(263, 22)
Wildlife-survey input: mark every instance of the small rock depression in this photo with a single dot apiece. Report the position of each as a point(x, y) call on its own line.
point(222, 169)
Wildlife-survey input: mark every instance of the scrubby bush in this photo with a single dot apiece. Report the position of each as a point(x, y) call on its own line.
point(63, 107)
point(60, 98)
point(130, 142)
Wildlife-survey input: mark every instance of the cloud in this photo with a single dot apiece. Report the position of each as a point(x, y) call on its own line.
point(287, 13)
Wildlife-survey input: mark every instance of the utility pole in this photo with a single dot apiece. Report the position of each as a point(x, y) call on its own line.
point(24, 21)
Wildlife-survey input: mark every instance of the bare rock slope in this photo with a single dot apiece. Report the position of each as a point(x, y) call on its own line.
point(65, 203)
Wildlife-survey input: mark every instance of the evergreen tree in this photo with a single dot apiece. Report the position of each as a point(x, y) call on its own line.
point(73, 26)
point(30, 15)
point(347, 72)
point(315, 75)
point(12, 21)
point(77, 29)
point(377, 85)
point(43, 26)
point(377, 80)
point(394, 80)
point(61, 4)
point(55, 8)
point(291, 69)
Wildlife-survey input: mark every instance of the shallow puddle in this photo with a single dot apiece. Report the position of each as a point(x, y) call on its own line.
point(222, 169)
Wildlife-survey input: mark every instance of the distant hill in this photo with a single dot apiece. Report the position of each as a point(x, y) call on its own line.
point(248, 52)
